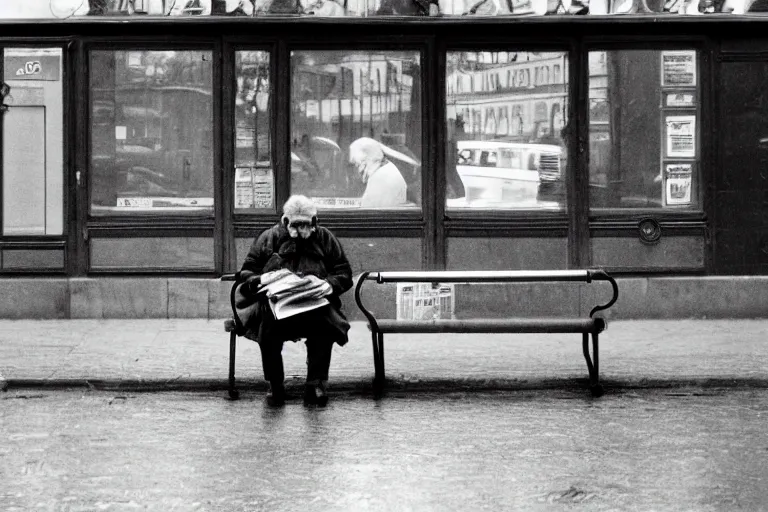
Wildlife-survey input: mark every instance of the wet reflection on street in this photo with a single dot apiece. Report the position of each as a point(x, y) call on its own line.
point(664, 449)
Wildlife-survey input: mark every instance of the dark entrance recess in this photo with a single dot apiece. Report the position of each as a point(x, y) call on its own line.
point(741, 180)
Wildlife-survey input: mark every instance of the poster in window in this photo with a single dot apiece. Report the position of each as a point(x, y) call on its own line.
point(253, 187)
point(678, 68)
point(679, 99)
point(681, 136)
point(678, 179)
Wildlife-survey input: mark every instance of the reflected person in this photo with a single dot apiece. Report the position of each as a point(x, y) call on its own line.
point(384, 184)
point(297, 243)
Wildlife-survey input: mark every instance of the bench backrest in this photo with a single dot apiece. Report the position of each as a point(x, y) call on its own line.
point(486, 276)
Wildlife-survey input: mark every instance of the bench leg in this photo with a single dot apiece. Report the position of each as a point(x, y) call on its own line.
point(233, 393)
point(594, 369)
point(377, 339)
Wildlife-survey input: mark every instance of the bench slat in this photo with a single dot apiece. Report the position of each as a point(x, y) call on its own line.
point(479, 276)
point(492, 325)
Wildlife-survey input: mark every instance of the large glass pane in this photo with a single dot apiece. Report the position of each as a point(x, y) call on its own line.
point(506, 113)
point(643, 129)
point(356, 128)
point(151, 131)
point(254, 174)
point(33, 142)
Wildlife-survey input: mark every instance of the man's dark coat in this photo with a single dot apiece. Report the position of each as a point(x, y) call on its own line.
point(321, 255)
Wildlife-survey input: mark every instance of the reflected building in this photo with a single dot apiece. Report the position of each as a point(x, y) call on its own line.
point(517, 97)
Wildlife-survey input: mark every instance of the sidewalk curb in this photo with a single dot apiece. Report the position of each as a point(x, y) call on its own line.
point(357, 386)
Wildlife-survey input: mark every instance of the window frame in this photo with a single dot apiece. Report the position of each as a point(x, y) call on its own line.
point(576, 34)
point(64, 241)
point(703, 121)
point(400, 216)
point(511, 222)
point(623, 222)
point(464, 218)
point(211, 45)
point(165, 224)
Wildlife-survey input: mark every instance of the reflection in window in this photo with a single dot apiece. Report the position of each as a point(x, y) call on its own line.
point(151, 130)
point(356, 128)
point(505, 142)
point(254, 174)
point(31, 9)
point(33, 141)
point(643, 129)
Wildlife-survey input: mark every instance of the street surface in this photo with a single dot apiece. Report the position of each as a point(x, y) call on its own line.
point(682, 449)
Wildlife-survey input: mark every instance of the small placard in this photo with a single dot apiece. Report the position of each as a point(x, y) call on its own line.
point(254, 187)
point(337, 202)
point(678, 68)
point(678, 179)
point(681, 136)
point(679, 99)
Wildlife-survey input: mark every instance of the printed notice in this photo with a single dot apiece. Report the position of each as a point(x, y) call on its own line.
point(681, 136)
point(337, 202)
point(678, 68)
point(679, 99)
point(678, 180)
point(253, 187)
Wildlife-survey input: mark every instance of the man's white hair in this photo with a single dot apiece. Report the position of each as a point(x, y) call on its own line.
point(366, 149)
point(298, 206)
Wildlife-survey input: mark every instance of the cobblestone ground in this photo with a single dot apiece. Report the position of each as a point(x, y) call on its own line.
point(635, 450)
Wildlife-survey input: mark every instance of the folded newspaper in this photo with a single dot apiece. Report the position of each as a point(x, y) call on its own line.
point(289, 294)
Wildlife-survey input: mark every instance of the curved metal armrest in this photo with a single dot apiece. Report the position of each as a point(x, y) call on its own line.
point(239, 327)
point(371, 319)
point(601, 275)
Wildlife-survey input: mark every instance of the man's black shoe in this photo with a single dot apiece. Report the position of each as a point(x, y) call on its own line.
point(276, 395)
point(314, 394)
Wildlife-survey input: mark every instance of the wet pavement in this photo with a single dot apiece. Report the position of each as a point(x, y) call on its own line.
point(683, 449)
point(193, 354)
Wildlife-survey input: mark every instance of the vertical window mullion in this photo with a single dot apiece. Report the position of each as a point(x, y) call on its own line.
point(435, 178)
point(281, 73)
point(577, 177)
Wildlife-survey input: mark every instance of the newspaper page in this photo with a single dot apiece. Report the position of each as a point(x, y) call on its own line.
point(425, 301)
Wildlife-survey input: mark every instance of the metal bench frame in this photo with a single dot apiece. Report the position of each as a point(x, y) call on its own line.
point(235, 328)
point(585, 326)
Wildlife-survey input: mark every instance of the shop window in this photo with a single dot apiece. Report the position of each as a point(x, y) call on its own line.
point(521, 161)
point(33, 141)
point(356, 140)
point(254, 172)
point(151, 131)
point(643, 129)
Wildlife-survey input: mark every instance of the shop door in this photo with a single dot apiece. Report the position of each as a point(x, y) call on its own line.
point(741, 178)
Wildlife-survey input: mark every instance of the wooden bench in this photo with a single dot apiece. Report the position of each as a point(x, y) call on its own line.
point(585, 326)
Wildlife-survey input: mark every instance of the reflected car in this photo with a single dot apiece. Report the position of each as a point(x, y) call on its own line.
point(510, 173)
point(143, 182)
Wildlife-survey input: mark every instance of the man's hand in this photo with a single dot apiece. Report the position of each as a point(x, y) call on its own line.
point(251, 286)
point(324, 287)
